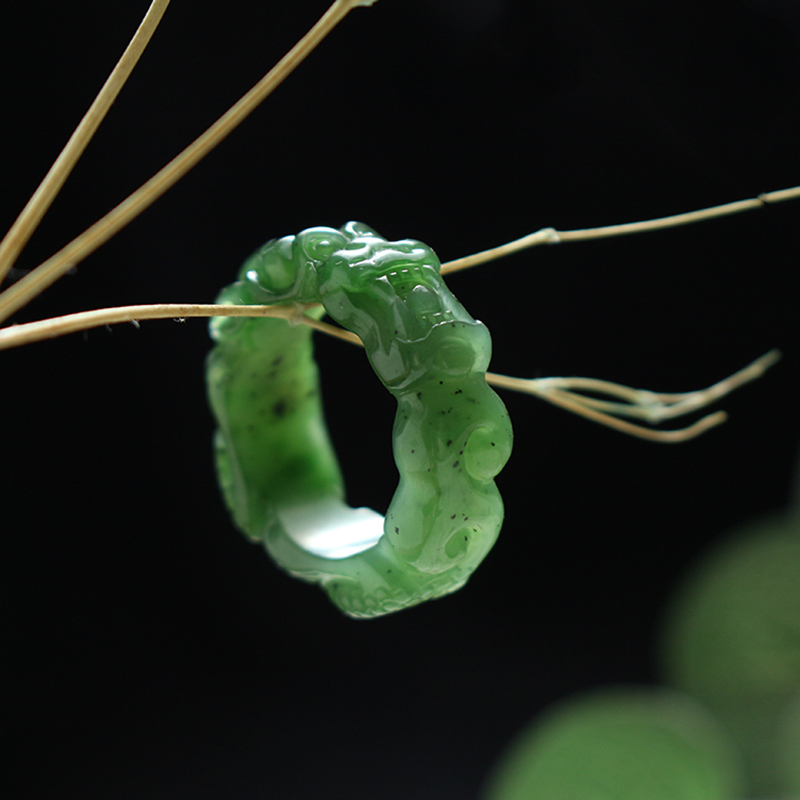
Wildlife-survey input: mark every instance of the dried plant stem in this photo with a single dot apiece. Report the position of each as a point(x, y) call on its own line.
point(553, 236)
point(17, 335)
point(45, 274)
point(30, 216)
point(652, 407)
point(30, 332)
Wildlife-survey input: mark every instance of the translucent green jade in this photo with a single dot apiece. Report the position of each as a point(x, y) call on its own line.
point(452, 435)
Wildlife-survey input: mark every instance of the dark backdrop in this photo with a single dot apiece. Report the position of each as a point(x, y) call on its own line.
point(152, 652)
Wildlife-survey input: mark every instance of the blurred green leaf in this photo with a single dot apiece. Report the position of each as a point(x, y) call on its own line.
point(732, 640)
point(620, 744)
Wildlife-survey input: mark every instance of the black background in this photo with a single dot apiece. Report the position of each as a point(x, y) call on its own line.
point(150, 651)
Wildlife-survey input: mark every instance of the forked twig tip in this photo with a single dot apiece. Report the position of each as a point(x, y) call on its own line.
point(645, 406)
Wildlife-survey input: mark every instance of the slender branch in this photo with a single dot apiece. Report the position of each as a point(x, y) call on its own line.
point(552, 236)
point(45, 274)
point(43, 329)
point(30, 216)
point(653, 407)
point(567, 401)
point(30, 332)
point(331, 330)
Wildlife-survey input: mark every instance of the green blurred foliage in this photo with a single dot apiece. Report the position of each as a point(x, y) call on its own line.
point(620, 744)
point(731, 726)
point(732, 640)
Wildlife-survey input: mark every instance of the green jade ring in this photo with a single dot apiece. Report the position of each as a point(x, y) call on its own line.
point(452, 435)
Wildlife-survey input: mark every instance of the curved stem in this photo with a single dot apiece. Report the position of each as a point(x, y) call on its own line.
point(570, 403)
point(30, 332)
point(652, 407)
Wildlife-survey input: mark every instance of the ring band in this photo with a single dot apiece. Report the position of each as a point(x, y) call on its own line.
point(452, 435)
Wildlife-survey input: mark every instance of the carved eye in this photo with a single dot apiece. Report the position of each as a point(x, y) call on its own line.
point(271, 269)
point(318, 244)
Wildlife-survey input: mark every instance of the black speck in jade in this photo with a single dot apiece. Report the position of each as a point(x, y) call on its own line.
point(272, 449)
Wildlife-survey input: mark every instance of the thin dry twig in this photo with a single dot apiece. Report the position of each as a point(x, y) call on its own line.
point(46, 273)
point(31, 332)
point(30, 216)
point(652, 407)
point(553, 236)
point(567, 401)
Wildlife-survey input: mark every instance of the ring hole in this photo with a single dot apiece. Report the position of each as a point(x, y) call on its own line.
point(359, 414)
